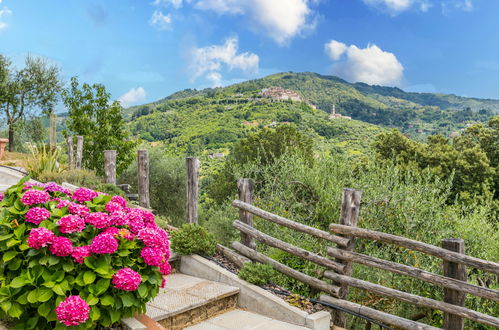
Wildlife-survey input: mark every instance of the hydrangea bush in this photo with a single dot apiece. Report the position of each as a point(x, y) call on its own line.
point(76, 258)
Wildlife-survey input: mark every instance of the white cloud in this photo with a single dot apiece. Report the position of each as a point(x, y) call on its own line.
point(395, 7)
point(210, 61)
point(174, 3)
point(370, 65)
point(280, 19)
point(3, 13)
point(161, 21)
point(451, 5)
point(133, 96)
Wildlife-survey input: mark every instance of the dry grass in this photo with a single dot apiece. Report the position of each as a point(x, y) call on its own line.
point(14, 159)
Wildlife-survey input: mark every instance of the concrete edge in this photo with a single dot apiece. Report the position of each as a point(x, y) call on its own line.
point(133, 324)
point(252, 297)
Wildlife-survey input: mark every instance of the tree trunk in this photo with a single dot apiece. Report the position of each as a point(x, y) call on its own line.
point(11, 137)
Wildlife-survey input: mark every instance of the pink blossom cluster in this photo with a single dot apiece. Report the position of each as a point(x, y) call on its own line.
point(126, 279)
point(61, 246)
point(84, 195)
point(104, 243)
point(2, 195)
point(78, 209)
point(33, 196)
point(54, 187)
point(119, 200)
point(31, 184)
point(118, 219)
point(155, 238)
point(70, 224)
point(80, 253)
point(72, 311)
point(37, 215)
point(113, 207)
point(40, 237)
point(62, 203)
point(152, 256)
point(99, 220)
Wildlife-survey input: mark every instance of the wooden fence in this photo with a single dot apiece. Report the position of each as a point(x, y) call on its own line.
point(339, 269)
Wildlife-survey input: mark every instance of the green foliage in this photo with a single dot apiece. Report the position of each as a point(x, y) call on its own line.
point(34, 281)
point(44, 160)
point(23, 92)
point(80, 178)
point(167, 177)
point(100, 122)
point(258, 274)
point(192, 238)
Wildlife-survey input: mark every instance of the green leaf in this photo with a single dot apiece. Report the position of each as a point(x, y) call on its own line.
point(9, 255)
point(53, 260)
point(58, 289)
point(89, 262)
point(89, 277)
point(115, 316)
point(33, 296)
point(101, 286)
point(92, 300)
point(44, 309)
point(15, 310)
point(12, 242)
point(6, 305)
point(49, 284)
point(23, 299)
point(17, 282)
point(32, 322)
point(68, 266)
point(107, 300)
point(94, 313)
point(14, 265)
point(44, 294)
point(5, 237)
point(142, 290)
point(128, 299)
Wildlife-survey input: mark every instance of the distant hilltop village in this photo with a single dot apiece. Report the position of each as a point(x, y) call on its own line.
point(283, 94)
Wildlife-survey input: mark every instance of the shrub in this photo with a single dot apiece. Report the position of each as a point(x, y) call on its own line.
point(76, 258)
point(44, 160)
point(192, 238)
point(258, 274)
point(80, 178)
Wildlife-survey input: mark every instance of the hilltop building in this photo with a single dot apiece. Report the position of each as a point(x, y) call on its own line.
point(335, 115)
point(280, 94)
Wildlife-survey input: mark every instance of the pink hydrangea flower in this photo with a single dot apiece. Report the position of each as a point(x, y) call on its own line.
point(113, 207)
point(71, 223)
point(54, 187)
point(62, 203)
point(154, 237)
point(1, 196)
point(118, 219)
point(119, 200)
point(134, 220)
point(37, 215)
point(61, 246)
point(80, 253)
point(126, 234)
point(33, 196)
point(84, 195)
point(165, 268)
point(40, 237)
point(104, 243)
point(78, 209)
point(163, 283)
point(98, 219)
point(31, 184)
point(126, 279)
point(113, 231)
point(152, 256)
point(72, 311)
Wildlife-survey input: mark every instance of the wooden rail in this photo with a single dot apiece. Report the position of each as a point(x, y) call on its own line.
point(341, 241)
point(444, 254)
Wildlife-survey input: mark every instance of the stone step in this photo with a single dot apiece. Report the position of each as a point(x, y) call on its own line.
point(187, 300)
point(243, 320)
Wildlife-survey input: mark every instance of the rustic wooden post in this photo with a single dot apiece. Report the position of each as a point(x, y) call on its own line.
point(143, 176)
point(71, 156)
point(192, 164)
point(457, 271)
point(110, 166)
point(79, 151)
point(350, 207)
point(246, 187)
point(52, 132)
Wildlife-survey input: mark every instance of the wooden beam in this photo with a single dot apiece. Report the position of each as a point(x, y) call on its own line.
point(374, 314)
point(294, 250)
point(246, 187)
point(457, 271)
point(143, 178)
point(417, 273)
point(79, 152)
point(71, 156)
point(312, 281)
point(192, 164)
point(436, 251)
point(234, 257)
point(110, 166)
point(290, 224)
point(414, 299)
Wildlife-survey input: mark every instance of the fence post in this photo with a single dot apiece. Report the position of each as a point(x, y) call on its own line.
point(52, 132)
point(143, 177)
point(349, 216)
point(79, 151)
point(457, 271)
point(110, 166)
point(246, 187)
point(71, 156)
point(192, 164)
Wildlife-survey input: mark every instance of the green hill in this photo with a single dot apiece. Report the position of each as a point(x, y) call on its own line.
point(213, 118)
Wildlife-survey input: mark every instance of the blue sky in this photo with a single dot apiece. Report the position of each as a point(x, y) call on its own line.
point(144, 50)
